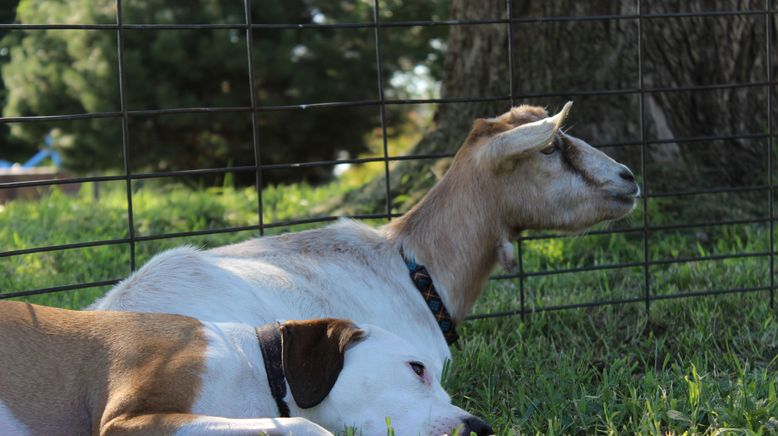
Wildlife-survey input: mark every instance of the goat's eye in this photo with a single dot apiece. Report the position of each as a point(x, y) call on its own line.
point(417, 367)
point(550, 149)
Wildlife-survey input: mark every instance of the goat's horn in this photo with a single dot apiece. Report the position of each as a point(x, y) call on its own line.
point(524, 139)
point(560, 117)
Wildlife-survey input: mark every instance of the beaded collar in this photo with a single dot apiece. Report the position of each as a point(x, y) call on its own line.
point(423, 281)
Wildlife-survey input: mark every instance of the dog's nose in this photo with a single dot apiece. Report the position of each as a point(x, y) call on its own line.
point(477, 426)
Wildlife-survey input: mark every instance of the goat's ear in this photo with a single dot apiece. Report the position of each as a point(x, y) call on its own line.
point(313, 356)
point(513, 144)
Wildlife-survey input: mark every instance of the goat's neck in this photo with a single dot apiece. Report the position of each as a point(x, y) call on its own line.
point(456, 235)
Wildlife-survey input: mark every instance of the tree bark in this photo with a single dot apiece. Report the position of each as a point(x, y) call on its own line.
point(564, 58)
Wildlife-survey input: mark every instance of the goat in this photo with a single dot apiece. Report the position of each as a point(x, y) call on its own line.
point(514, 172)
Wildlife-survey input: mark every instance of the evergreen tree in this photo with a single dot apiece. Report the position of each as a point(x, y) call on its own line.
point(76, 71)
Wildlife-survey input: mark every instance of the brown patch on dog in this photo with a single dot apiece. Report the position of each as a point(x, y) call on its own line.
point(313, 356)
point(73, 372)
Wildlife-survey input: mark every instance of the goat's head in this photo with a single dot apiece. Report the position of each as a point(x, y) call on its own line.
point(542, 177)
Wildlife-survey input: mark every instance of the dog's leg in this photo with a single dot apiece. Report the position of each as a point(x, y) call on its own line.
point(181, 424)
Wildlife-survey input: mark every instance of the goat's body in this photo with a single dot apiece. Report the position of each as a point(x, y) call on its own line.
point(513, 172)
point(347, 270)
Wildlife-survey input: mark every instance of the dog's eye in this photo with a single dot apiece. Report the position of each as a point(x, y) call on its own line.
point(417, 367)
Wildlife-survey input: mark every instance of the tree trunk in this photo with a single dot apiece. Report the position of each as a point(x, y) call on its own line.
point(565, 58)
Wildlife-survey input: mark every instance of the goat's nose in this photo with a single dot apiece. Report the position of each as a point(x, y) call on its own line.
point(477, 426)
point(627, 175)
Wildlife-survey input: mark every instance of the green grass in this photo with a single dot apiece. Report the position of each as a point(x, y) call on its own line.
point(699, 366)
point(58, 219)
point(695, 365)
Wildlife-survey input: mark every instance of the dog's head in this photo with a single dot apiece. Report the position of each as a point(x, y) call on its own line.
point(342, 376)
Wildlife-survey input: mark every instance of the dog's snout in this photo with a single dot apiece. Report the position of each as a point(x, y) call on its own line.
point(627, 175)
point(477, 426)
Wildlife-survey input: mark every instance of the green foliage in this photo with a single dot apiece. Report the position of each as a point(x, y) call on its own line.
point(389, 429)
point(75, 71)
point(703, 366)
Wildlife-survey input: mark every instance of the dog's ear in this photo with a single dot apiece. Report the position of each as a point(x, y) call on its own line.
point(313, 356)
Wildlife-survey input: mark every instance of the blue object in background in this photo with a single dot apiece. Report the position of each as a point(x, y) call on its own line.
point(39, 157)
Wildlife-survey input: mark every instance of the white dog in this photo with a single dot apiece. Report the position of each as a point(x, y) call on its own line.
point(65, 373)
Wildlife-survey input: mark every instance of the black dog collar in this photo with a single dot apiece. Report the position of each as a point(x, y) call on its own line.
point(269, 337)
point(423, 281)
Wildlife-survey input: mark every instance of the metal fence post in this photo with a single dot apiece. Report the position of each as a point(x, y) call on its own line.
point(254, 115)
point(125, 130)
point(643, 156)
point(770, 193)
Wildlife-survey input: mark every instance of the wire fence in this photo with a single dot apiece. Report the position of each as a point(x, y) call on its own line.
point(377, 24)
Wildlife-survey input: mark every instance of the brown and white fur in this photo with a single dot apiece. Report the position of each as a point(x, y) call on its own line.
point(514, 172)
point(65, 373)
